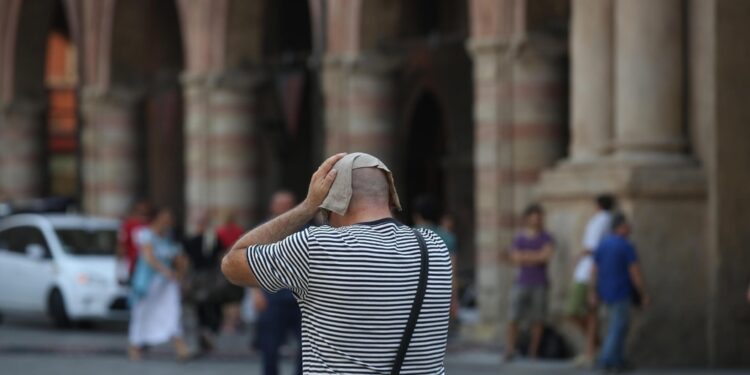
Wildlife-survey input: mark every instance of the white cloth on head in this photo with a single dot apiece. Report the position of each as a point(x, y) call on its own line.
point(597, 227)
point(340, 194)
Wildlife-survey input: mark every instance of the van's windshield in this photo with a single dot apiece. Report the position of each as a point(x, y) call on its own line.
point(88, 241)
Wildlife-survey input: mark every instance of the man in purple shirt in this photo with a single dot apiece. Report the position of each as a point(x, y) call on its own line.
point(532, 249)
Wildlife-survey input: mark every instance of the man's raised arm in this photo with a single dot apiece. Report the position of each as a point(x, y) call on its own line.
point(235, 266)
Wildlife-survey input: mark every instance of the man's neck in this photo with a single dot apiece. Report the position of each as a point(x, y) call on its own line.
point(364, 216)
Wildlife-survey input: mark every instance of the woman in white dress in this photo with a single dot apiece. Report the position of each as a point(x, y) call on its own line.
point(155, 289)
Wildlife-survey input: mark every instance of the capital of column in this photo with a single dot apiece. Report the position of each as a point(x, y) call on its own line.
point(116, 98)
point(363, 62)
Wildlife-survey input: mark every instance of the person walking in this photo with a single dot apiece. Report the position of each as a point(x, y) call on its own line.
point(616, 280)
point(228, 232)
point(531, 251)
point(578, 309)
point(374, 294)
point(278, 313)
point(127, 249)
point(426, 214)
point(204, 253)
point(155, 290)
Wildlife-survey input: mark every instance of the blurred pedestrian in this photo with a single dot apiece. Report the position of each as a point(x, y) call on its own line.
point(531, 251)
point(427, 214)
point(617, 281)
point(578, 309)
point(204, 252)
point(155, 291)
point(127, 249)
point(228, 232)
point(361, 281)
point(278, 314)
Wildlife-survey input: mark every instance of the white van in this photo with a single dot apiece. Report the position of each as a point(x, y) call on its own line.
point(61, 265)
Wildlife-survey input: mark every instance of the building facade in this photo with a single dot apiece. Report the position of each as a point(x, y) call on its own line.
point(210, 105)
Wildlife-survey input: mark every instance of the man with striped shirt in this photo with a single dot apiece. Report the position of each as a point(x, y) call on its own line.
point(355, 279)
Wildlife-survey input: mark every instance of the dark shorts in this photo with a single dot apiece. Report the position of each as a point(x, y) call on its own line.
point(528, 303)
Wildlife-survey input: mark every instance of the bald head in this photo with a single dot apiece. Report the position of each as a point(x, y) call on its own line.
point(369, 188)
point(281, 201)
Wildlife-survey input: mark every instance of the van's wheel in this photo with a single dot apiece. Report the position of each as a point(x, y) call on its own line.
point(56, 310)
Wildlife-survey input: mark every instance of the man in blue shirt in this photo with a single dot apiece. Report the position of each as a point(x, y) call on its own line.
point(616, 279)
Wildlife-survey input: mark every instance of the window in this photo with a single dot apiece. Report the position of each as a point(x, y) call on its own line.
point(17, 239)
point(88, 242)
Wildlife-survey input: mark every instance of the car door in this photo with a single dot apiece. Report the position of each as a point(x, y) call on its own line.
point(37, 270)
point(13, 282)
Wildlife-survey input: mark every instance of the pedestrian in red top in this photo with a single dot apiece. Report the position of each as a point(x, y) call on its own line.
point(228, 233)
point(137, 219)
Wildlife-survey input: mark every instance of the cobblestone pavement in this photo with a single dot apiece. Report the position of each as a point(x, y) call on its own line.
point(30, 346)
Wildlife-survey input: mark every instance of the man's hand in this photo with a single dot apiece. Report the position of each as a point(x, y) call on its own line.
point(321, 182)
point(593, 299)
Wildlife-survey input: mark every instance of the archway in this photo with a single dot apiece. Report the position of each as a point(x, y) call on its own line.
point(62, 132)
point(437, 84)
point(287, 48)
point(426, 151)
point(40, 130)
point(147, 59)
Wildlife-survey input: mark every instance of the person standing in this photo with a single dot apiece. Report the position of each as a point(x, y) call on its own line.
point(278, 313)
point(227, 233)
point(127, 249)
point(616, 280)
point(358, 279)
point(155, 289)
point(531, 251)
point(578, 309)
point(204, 253)
point(426, 214)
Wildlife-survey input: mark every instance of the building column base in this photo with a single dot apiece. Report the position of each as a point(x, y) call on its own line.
point(665, 201)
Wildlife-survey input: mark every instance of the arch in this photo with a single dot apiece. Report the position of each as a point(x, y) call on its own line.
point(149, 42)
point(145, 65)
point(40, 90)
point(426, 147)
point(389, 22)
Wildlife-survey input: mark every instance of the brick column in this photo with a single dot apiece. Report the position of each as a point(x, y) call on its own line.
point(110, 152)
point(233, 159)
point(361, 106)
point(493, 160)
point(649, 75)
point(518, 113)
point(21, 150)
point(591, 79)
point(221, 148)
point(196, 130)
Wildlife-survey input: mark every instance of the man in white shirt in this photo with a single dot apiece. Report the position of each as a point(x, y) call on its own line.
point(579, 309)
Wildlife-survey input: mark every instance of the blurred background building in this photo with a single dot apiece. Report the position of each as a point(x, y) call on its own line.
point(485, 104)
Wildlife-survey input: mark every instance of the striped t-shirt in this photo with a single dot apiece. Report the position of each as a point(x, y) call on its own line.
point(355, 286)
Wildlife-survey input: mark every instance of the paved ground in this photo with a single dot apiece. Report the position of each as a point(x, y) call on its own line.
point(31, 346)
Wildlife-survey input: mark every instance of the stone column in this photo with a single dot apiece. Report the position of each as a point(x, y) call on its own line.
point(111, 174)
point(196, 130)
point(361, 111)
point(591, 78)
point(649, 74)
point(493, 161)
point(21, 150)
point(233, 160)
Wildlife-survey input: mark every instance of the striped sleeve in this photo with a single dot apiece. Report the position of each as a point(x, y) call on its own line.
point(282, 265)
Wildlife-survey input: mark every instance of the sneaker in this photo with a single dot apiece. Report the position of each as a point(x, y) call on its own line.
point(583, 361)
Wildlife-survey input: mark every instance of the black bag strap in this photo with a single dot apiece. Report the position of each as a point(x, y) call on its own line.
point(416, 307)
